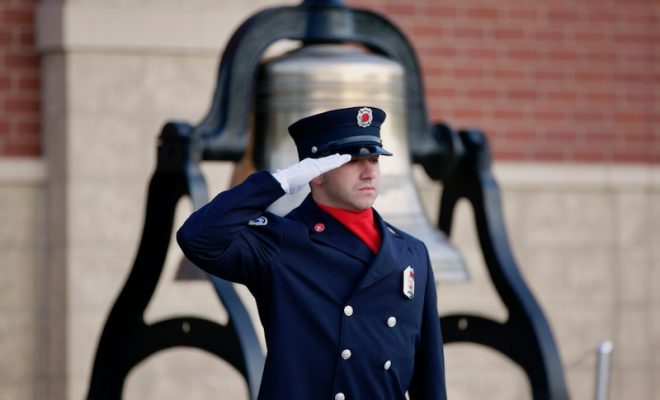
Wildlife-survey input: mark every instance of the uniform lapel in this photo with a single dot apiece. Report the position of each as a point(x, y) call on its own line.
point(388, 258)
point(326, 230)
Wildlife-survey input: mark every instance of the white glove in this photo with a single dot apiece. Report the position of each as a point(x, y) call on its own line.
point(297, 176)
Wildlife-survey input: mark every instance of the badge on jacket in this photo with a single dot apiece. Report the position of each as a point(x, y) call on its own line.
point(261, 221)
point(409, 282)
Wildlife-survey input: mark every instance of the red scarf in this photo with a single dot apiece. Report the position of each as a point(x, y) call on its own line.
point(361, 223)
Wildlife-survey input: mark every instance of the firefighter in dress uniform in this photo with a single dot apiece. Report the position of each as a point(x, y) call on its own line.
point(347, 301)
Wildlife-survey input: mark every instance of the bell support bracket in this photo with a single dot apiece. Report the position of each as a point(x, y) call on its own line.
point(127, 339)
point(525, 337)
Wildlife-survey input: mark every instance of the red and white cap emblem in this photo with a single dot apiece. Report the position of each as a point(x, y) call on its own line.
point(364, 117)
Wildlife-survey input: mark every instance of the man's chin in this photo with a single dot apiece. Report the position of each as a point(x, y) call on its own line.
point(366, 204)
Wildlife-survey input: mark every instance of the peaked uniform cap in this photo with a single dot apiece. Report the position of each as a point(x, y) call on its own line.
point(354, 131)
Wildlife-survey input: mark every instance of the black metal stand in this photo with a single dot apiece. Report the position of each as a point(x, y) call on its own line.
point(126, 339)
point(222, 135)
point(525, 337)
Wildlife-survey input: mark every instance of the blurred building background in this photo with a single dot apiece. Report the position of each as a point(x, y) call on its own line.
point(567, 90)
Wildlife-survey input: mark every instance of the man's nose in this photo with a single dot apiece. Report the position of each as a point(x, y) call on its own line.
point(368, 169)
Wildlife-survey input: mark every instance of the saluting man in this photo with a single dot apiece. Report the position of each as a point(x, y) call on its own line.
point(347, 301)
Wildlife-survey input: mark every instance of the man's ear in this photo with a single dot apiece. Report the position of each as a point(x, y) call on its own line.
point(318, 181)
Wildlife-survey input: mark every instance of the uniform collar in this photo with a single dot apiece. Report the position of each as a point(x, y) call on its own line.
point(323, 228)
point(388, 259)
point(361, 223)
point(336, 235)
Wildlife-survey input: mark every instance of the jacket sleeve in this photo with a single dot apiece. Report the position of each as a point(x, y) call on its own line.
point(220, 239)
point(428, 381)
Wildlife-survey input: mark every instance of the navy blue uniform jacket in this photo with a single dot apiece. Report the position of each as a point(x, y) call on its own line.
point(337, 323)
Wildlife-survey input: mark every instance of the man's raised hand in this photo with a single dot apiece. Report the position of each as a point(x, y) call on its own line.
point(297, 176)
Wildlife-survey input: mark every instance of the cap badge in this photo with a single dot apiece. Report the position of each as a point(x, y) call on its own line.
point(364, 117)
point(409, 282)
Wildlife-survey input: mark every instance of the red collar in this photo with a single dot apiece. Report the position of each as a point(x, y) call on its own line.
point(361, 223)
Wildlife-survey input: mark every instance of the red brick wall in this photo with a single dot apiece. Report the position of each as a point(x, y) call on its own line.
point(19, 80)
point(549, 80)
